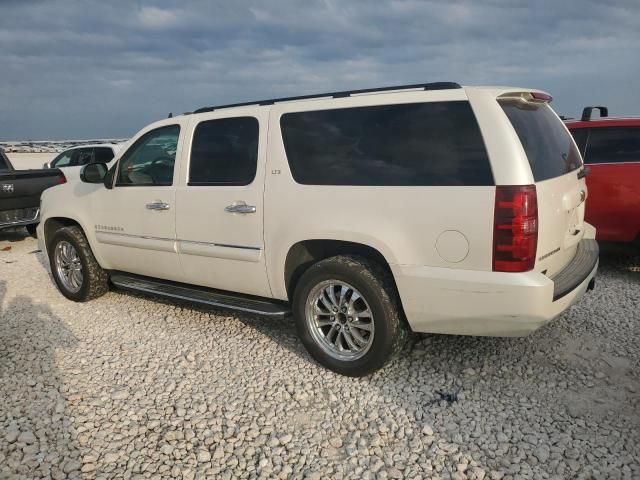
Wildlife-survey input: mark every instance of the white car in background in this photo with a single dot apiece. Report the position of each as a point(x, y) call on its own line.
point(73, 159)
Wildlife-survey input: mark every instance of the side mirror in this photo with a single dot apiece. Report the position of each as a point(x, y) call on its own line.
point(93, 173)
point(46, 165)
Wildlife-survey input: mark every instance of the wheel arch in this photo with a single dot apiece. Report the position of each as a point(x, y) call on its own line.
point(303, 254)
point(54, 223)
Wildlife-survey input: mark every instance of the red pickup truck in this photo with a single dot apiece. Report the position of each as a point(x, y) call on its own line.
point(611, 151)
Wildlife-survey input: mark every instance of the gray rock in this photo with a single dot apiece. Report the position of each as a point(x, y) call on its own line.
point(71, 465)
point(120, 394)
point(26, 437)
point(203, 456)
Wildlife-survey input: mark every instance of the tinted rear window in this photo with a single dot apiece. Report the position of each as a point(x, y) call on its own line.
point(613, 145)
point(549, 148)
point(436, 143)
point(3, 162)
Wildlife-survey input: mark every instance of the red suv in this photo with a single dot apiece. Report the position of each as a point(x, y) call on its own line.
point(611, 151)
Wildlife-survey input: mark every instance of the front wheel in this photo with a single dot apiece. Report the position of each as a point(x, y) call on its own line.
point(75, 270)
point(348, 315)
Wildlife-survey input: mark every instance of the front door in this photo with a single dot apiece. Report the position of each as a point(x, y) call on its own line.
point(135, 220)
point(219, 203)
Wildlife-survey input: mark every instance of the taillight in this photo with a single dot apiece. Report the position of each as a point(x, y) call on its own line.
point(515, 228)
point(543, 97)
point(62, 179)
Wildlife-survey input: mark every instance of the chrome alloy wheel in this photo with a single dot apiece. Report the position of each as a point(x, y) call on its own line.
point(340, 320)
point(68, 266)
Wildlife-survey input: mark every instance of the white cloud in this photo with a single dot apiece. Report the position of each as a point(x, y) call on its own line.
point(158, 18)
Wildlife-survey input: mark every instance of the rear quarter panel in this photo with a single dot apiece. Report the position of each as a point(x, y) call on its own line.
point(402, 223)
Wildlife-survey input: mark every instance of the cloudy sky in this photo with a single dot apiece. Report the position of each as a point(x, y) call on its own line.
point(87, 69)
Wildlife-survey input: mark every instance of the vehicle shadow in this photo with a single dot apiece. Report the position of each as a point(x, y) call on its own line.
point(623, 260)
point(17, 234)
point(36, 436)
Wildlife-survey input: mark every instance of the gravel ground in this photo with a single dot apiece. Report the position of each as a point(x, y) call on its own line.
point(126, 386)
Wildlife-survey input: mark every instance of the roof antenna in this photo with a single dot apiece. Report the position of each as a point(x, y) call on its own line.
point(170, 115)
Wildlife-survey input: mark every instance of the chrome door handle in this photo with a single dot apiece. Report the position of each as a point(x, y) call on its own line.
point(157, 205)
point(240, 207)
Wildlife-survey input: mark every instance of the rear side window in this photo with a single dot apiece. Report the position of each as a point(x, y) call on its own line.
point(613, 145)
point(417, 144)
point(85, 155)
point(224, 152)
point(102, 155)
point(549, 148)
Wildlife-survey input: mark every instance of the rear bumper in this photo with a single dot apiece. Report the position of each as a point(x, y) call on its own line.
point(463, 302)
point(569, 278)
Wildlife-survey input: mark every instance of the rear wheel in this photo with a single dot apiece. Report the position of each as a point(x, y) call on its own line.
point(75, 270)
point(348, 315)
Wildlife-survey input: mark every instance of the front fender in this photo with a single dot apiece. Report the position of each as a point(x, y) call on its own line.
point(69, 204)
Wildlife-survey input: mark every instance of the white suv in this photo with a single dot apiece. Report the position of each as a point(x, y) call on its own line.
point(432, 208)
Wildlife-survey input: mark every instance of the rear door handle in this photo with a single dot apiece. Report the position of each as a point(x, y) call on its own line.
point(240, 207)
point(157, 205)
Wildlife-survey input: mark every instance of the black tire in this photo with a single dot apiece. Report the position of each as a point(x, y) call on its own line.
point(32, 229)
point(95, 279)
point(376, 286)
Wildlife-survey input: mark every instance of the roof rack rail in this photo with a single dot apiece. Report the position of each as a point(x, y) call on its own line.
point(346, 93)
point(586, 113)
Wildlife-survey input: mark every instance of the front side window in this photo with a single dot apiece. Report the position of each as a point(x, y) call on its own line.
point(150, 160)
point(65, 159)
point(613, 145)
point(224, 152)
point(417, 144)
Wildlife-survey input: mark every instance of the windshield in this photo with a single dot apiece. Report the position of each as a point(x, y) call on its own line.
point(548, 145)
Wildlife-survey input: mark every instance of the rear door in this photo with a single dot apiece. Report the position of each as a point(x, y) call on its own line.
point(556, 166)
point(219, 203)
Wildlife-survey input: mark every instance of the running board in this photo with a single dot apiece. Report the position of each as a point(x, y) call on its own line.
point(201, 295)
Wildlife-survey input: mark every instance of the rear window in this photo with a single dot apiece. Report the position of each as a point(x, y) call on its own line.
point(549, 148)
point(437, 143)
point(613, 145)
point(3, 163)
